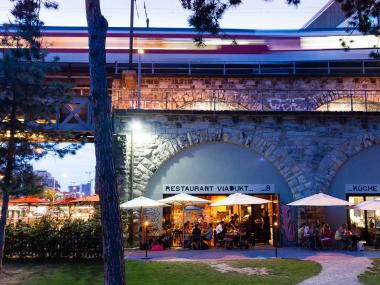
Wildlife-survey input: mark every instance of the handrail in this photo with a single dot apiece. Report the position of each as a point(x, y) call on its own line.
point(225, 68)
point(249, 99)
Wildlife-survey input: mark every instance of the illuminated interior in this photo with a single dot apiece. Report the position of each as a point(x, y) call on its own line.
point(204, 214)
point(363, 219)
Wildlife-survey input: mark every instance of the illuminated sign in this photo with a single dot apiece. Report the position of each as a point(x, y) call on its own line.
point(363, 188)
point(218, 188)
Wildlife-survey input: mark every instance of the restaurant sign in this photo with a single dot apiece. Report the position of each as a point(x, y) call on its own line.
point(218, 188)
point(363, 188)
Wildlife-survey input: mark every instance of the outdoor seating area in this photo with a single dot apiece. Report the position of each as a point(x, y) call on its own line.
point(29, 208)
point(319, 236)
point(237, 228)
point(194, 230)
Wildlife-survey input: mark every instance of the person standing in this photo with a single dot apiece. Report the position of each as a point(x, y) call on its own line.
point(250, 230)
point(266, 228)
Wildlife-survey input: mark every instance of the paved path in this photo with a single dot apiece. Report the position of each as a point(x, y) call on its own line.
point(233, 254)
point(338, 269)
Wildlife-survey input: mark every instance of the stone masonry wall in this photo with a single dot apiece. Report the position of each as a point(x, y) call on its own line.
point(308, 150)
point(249, 93)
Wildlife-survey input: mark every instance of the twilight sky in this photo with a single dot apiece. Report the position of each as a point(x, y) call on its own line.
point(252, 14)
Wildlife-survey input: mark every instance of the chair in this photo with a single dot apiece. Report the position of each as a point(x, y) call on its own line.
point(219, 239)
point(306, 242)
point(177, 237)
point(196, 241)
point(228, 241)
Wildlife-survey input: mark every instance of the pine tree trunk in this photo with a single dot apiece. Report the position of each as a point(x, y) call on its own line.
point(3, 223)
point(105, 183)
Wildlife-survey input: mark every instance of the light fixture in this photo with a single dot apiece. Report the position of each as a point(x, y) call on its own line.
point(38, 150)
point(140, 51)
point(146, 223)
point(136, 126)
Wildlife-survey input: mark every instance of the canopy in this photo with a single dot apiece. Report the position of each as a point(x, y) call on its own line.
point(142, 203)
point(65, 201)
point(28, 200)
point(239, 199)
point(321, 200)
point(371, 205)
point(87, 199)
point(184, 199)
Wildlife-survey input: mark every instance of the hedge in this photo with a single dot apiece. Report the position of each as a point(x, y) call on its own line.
point(51, 239)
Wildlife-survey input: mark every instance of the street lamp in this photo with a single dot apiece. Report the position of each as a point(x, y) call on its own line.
point(277, 237)
point(140, 53)
point(146, 224)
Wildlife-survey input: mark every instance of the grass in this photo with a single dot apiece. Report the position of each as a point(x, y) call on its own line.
point(281, 271)
point(372, 276)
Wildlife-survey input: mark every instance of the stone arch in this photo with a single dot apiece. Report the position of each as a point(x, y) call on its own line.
point(333, 161)
point(338, 96)
point(170, 146)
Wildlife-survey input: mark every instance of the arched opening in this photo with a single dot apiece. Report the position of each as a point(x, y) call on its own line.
point(358, 180)
point(219, 165)
point(350, 104)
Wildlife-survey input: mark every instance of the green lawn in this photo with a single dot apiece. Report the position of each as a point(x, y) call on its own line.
point(372, 276)
point(280, 271)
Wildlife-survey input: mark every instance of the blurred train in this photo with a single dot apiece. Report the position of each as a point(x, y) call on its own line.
point(167, 45)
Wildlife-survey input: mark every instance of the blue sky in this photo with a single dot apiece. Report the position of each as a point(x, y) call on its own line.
point(253, 14)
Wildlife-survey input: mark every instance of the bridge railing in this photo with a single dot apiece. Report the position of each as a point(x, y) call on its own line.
point(290, 68)
point(248, 99)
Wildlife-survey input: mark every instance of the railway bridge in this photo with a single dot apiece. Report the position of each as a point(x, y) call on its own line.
point(291, 110)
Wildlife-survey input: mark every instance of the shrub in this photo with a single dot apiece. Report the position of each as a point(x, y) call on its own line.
point(49, 238)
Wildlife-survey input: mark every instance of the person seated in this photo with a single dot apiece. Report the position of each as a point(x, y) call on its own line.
point(341, 235)
point(165, 239)
point(208, 234)
point(229, 237)
point(243, 242)
point(249, 226)
point(325, 236)
point(306, 231)
point(234, 223)
point(300, 234)
point(307, 236)
point(196, 237)
point(346, 237)
point(315, 232)
point(220, 232)
point(355, 236)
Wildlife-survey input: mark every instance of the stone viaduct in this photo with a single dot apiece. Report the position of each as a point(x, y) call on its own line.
point(307, 127)
point(275, 117)
point(307, 149)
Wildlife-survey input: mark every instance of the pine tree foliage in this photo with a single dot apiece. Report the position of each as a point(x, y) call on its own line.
point(27, 102)
point(206, 15)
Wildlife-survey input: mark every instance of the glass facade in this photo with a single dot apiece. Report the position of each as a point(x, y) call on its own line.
point(364, 220)
point(173, 217)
